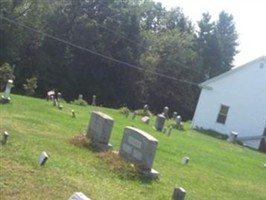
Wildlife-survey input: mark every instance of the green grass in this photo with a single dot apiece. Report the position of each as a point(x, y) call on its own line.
point(217, 169)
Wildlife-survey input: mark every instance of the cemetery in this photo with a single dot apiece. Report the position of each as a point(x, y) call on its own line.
point(38, 152)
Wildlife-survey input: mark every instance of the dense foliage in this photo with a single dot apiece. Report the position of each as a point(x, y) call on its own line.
point(129, 52)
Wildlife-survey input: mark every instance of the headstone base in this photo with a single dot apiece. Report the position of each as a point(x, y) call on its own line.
point(5, 100)
point(150, 174)
point(102, 147)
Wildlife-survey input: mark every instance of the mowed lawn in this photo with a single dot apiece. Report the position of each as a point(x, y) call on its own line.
point(217, 169)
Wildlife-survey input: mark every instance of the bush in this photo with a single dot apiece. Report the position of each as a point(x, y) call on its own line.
point(124, 110)
point(141, 112)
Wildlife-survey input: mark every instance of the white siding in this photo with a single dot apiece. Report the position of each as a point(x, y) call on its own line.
point(244, 91)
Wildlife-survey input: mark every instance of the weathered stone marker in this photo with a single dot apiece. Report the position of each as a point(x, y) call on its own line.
point(140, 148)
point(93, 100)
point(145, 119)
point(174, 115)
point(178, 121)
point(99, 130)
point(43, 158)
point(179, 194)
point(6, 97)
point(79, 196)
point(159, 123)
point(185, 160)
point(5, 137)
point(73, 113)
point(165, 112)
point(232, 137)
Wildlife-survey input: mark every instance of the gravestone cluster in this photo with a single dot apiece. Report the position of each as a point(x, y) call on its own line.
point(136, 145)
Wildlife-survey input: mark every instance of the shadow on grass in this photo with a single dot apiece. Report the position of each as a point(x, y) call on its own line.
point(213, 133)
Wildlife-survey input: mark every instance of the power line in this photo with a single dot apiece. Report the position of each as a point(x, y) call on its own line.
point(94, 52)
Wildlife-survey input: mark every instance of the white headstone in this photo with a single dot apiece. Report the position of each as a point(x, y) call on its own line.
point(146, 119)
point(79, 196)
point(185, 160)
point(43, 158)
point(232, 137)
point(99, 129)
point(6, 97)
point(165, 112)
point(73, 113)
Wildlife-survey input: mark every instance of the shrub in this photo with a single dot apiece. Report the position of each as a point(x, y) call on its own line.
point(124, 110)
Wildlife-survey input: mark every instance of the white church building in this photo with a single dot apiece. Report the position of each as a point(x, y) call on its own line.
point(235, 101)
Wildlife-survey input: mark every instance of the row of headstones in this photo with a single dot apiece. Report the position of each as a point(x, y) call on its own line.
point(161, 118)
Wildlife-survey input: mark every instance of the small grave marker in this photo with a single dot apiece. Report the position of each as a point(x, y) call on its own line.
point(145, 119)
point(93, 100)
point(185, 160)
point(133, 115)
point(5, 137)
point(174, 115)
point(79, 196)
point(73, 113)
point(165, 112)
point(6, 97)
point(232, 137)
point(179, 193)
point(43, 158)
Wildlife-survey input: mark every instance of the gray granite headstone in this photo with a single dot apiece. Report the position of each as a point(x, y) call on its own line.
point(159, 123)
point(93, 100)
point(179, 194)
point(174, 115)
point(99, 130)
point(80, 97)
point(79, 196)
point(140, 148)
point(165, 112)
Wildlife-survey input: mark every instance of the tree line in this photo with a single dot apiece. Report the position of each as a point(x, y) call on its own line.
point(127, 52)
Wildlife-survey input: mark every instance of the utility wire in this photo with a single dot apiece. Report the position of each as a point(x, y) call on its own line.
point(94, 52)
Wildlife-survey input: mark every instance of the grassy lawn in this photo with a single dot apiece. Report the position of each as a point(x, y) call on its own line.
point(217, 169)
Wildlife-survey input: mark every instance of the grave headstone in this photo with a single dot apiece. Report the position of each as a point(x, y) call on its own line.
point(79, 196)
point(140, 148)
point(179, 193)
point(43, 158)
point(174, 115)
point(73, 113)
point(159, 123)
point(146, 109)
point(5, 137)
point(185, 160)
point(178, 121)
point(6, 97)
point(99, 130)
point(165, 112)
point(145, 119)
point(80, 97)
point(232, 137)
point(93, 100)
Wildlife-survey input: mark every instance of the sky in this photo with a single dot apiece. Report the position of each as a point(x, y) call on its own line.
point(249, 17)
